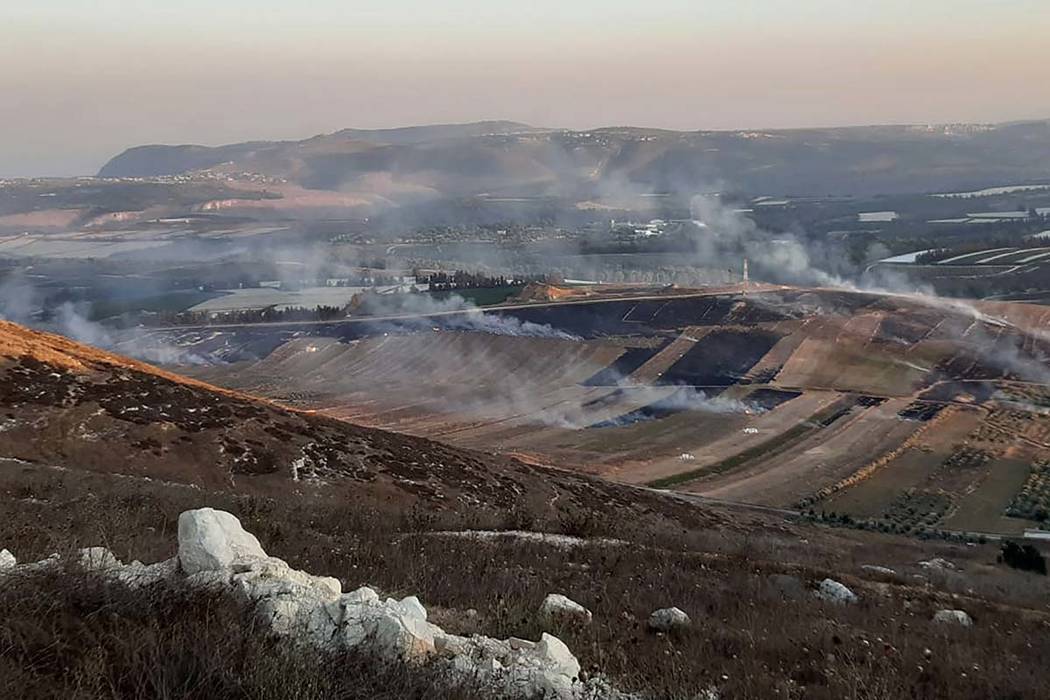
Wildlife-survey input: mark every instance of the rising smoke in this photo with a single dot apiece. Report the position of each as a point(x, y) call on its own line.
point(21, 302)
point(418, 311)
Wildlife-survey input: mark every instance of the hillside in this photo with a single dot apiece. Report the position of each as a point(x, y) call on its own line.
point(67, 405)
point(156, 159)
point(513, 159)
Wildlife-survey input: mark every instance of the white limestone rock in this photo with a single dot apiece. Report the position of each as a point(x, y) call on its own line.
point(211, 540)
point(7, 560)
point(361, 596)
point(401, 635)
point(265, 578)
point(411, 607)
point(217, 580)
point(556, 656)
point(667, 619)
point(395, 630)
point(953, 617)
point(137, 575)
point(832, 591)
point(513, 668)
point(548, 670)
point(556, 609)
point(938, 564)
point(216, 553)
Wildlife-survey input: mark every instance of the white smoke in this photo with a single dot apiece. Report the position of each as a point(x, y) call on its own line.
point(22, 303)
point(456, 313)
point(725, 236)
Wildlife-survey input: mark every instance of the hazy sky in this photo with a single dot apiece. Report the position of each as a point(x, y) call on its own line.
point(83, 79)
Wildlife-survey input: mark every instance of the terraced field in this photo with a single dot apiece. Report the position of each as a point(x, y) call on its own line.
point(909, 412)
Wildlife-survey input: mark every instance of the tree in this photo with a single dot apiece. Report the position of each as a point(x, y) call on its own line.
point(1022, 556)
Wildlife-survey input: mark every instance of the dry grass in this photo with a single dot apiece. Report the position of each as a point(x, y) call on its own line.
point(753, 637)
point(74, 635)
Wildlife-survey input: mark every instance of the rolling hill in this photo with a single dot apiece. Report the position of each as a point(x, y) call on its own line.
point(70, 406)
point(513, 159)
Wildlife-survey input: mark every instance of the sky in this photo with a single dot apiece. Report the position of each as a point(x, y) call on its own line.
point(81, 80)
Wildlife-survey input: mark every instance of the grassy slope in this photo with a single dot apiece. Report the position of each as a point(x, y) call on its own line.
point(749, 639)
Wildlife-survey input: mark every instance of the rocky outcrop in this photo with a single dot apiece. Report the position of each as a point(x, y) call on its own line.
point(215, 552)
point(953, 617)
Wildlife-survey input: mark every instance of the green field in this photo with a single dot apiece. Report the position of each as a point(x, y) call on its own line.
point(486, 296)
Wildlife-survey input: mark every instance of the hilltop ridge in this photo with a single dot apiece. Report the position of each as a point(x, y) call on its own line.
point(511, 158)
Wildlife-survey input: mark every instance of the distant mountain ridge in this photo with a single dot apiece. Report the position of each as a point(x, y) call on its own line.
point(410, 163)
point(158, 159)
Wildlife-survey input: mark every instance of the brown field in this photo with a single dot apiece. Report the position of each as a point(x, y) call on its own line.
point(605, 402)
point(910, 469)
point(982, 508)
point(822, 459)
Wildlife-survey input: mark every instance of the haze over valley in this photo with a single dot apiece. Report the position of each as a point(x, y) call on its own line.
point(526, 363)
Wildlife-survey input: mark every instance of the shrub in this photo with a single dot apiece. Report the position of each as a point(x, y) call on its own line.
point(1024, 557)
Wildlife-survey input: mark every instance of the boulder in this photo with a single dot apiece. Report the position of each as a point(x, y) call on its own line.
point(553, 653)
point(667, 619)
point(136, 574)
point(7, 560)
point(556, 609)
point(953, 617)
point(832, 591)
point(211, 540)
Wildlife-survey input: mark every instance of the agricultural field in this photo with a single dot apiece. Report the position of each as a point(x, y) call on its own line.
point(971, 470)
point(255, 298)
point(885, 409)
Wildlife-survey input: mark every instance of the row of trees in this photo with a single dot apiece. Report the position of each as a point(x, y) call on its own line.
point(461, 279)
point(270, 314)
